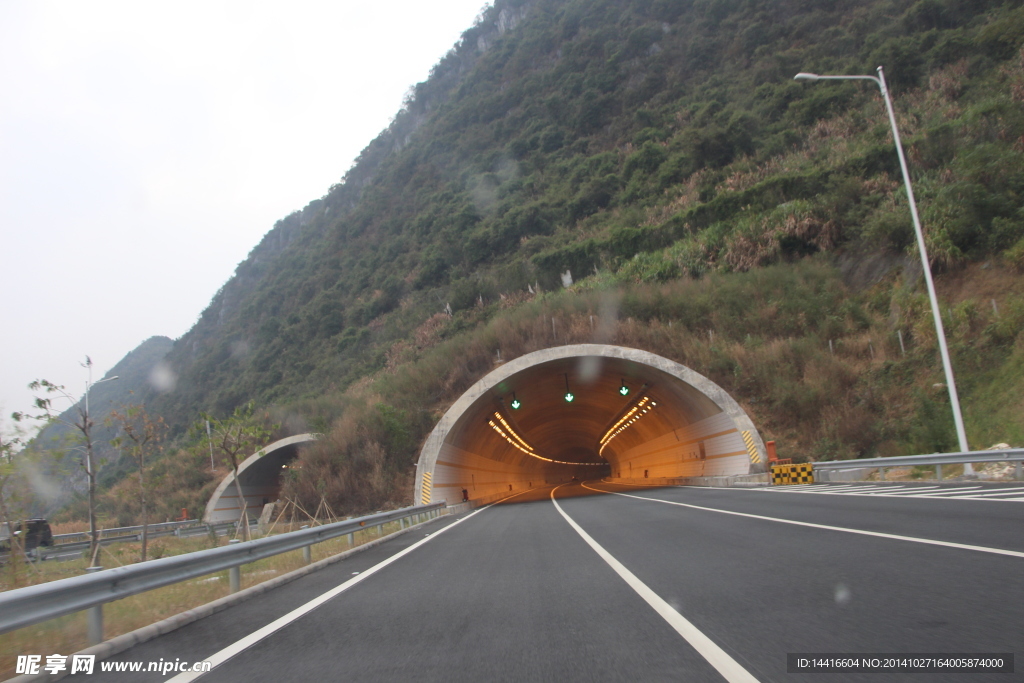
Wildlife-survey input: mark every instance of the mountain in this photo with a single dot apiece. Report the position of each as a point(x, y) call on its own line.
point(646, 144)
point(575, 135)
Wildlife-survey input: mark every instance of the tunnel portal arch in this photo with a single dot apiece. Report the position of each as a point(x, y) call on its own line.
point(672, 423)
point(260, 476)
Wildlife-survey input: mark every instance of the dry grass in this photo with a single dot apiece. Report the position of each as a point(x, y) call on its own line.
point(68, 634)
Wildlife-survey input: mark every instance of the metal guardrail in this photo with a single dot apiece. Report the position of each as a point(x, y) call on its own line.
point(60, 539)
point(936, 459)
point(1006, 455)
point(30, 605)
point(45, 552)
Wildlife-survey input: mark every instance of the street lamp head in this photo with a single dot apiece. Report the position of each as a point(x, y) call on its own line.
point(804, 76)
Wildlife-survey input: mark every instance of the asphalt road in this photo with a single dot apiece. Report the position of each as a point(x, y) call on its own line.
point(671, 584)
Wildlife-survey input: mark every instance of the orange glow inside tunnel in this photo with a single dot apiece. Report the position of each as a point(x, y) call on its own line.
point(672, 423)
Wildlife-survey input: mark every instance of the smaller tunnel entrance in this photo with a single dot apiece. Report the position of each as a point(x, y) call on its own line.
point(260, 476)
point(585, 411)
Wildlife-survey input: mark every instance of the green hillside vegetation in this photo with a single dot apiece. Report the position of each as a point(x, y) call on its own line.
point(660, 152)
point(762, 335)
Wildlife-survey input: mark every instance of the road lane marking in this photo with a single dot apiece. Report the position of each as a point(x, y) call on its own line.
point(730, 669)
point(914, 490)
point(953, 492)
point(245, 643)
point(877, 534)
point(993, 493)
point(973, 493)
point(874, 491)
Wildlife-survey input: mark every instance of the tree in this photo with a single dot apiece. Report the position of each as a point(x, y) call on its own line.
point(12, 494)
point(141, 434)
point(83, 423)
point(235, 437)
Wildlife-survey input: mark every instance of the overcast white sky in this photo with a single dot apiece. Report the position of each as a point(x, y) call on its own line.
point(146, 147)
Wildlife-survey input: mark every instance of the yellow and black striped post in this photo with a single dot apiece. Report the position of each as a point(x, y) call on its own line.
point(425, 492)
point(748, 440)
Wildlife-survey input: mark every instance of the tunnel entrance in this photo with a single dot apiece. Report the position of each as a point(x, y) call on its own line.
point(585, 411)
point(260, 476)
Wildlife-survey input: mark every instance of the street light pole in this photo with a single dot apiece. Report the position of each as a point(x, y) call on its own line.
point(947, 366)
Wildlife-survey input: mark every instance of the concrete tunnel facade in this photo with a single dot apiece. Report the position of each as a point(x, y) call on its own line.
point(673, 423)
point(260, 476)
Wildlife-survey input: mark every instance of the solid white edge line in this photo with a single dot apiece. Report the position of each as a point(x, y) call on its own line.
point(730, 669)
point(218, 658)
point(877, 534)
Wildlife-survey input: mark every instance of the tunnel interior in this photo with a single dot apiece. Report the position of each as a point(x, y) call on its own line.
point(632, 416)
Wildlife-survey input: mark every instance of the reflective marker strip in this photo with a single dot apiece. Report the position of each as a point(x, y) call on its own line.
point(877, 534)
point(230, 651)
point(425, 493)
point(751, 448)
point(730, 669)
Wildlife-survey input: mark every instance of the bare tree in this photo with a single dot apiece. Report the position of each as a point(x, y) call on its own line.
point(82, 422)
point(142, 435)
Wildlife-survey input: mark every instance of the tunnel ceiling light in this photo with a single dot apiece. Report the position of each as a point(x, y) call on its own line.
point(518, 442)
point(643, 407)
point(508, 428)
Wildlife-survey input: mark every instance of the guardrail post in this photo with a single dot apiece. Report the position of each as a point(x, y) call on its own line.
point(881, 474)
point(94, 618)
point(938, 472)
point(307, 554)
point(235, 573)
point(401, 522)
point(352, 540)
point(1018, 471)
